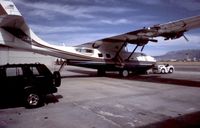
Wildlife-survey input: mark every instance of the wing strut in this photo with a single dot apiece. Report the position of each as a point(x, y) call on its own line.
point(63, 64)
point(117, 56)
point(132, 52)
point(124, 44)
point(185, 38)
point(142, 48)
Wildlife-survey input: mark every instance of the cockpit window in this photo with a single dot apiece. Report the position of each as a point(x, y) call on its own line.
point(85, 50)
point(142, 54)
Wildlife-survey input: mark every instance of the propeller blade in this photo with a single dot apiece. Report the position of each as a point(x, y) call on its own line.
point(186, 38)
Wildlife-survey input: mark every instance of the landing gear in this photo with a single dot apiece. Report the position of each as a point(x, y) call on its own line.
point(124, 73)
point(63, 64)
point(101, 72)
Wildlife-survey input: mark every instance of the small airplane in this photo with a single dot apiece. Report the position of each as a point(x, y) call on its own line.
point(108, 54)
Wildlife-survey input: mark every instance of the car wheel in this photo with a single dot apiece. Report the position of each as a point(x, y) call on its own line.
point(124, 73)
point(171, 70)
point(162, 71)
point(33, 99)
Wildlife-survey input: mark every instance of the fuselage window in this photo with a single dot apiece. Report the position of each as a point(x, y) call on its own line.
point(88, 51)
point(100, 55)
point(108, 56)
point(83, 50)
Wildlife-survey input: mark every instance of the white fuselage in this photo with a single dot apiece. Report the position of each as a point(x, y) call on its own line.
point(15, 33)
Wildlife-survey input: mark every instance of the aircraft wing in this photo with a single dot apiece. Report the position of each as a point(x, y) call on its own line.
point(15, 33)
point(170, 30)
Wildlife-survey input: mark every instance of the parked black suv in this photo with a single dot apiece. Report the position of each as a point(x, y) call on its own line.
point(30, 82)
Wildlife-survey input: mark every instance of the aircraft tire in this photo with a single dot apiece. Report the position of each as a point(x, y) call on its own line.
point(124, 73)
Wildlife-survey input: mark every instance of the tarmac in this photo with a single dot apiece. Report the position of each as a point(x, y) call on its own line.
point(85, 100)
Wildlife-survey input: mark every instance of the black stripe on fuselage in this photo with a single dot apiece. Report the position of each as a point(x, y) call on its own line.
point(112, 66)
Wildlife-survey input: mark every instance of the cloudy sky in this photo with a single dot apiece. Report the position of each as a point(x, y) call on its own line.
point(74, 22)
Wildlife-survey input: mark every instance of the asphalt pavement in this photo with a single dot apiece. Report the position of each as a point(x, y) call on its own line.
point(85, 100)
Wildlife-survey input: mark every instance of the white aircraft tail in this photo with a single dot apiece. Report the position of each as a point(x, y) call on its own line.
point(12, 23)
point(15, 33)
point(7, 7)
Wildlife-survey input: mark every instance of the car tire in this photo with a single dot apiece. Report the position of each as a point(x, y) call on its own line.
point(57, 78)
point(162, 71)
point(171, 70)
point(33, 99)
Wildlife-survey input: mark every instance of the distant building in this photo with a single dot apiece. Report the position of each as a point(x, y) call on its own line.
point(172, 60)
point(7, 55)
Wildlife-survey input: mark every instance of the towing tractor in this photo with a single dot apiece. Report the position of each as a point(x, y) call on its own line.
point(163, 69)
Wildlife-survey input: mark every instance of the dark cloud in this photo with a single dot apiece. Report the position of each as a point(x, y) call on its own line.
point(94, 19)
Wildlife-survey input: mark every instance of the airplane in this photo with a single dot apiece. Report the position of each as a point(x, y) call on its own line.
point(108, 54)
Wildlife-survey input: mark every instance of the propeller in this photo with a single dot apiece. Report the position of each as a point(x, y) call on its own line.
point(185, 38)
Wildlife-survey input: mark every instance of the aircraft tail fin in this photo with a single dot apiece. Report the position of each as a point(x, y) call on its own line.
point(13, 27)
point(7, 7)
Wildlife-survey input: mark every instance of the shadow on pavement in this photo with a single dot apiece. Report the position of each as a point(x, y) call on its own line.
point(10, 103)
point(154, 78)
point(52, 98)
point(80, 73)
point(158, 79)
point(18, 102)
point(191, 120)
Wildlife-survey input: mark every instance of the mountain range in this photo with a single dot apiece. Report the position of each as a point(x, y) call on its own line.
point(189, 55)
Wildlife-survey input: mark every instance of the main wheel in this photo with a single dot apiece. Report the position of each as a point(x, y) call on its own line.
point(33, 99)
point(124, 73)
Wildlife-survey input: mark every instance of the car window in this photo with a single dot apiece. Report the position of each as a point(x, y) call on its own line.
point(43, 70)
point(2, 73)
point(34, 70)
point(14, 71)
